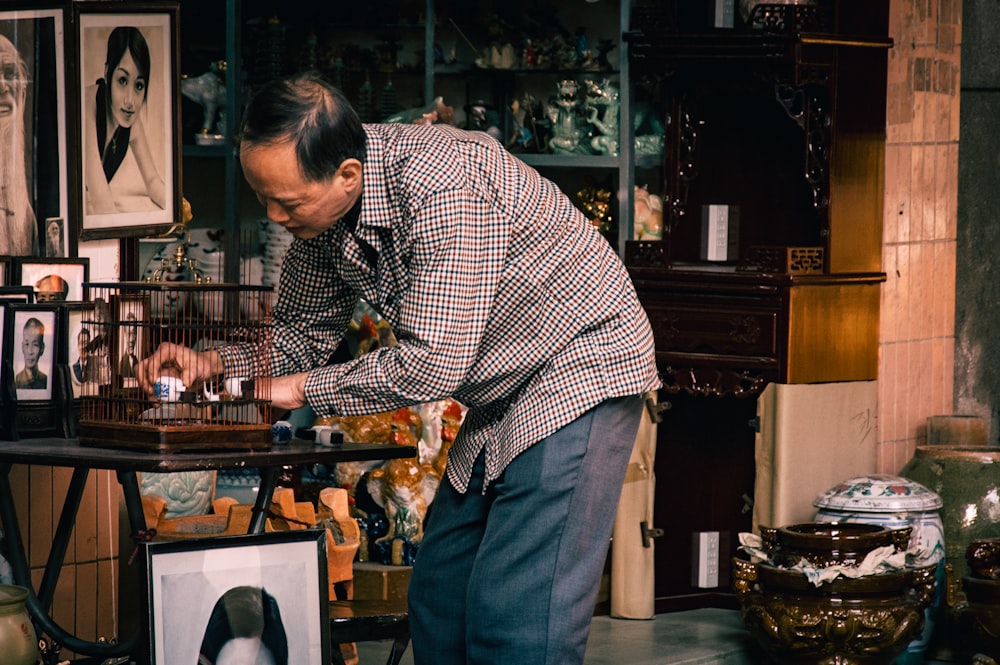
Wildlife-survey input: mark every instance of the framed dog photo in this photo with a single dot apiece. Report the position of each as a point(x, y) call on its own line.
point(129, 118)
point(213, 596)
point(33, 130)
point(31, 338)
point(53, 280)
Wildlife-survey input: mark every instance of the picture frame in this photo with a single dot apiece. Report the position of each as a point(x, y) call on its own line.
point(79, 345)
point(131, 338)
point(188, 579)
point(129, 185)
point(36, 183)
point(31, 345)
point(53, 280)
point(16, 294)
point(4, 270)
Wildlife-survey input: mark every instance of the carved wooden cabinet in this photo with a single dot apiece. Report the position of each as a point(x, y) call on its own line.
point(780, 120)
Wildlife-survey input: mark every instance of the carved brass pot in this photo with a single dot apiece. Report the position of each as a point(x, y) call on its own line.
point(824, 543)
point(864, 621)
point(975, 602)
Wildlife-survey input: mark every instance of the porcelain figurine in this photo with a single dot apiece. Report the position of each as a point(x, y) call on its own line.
point(602, 106)
point(208, 90)
point(648, 215)
point(562, 112)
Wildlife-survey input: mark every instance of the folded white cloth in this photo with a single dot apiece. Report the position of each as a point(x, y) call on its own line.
point(880, 560)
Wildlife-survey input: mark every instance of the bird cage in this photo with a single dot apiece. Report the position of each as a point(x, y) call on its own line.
point(130, 320)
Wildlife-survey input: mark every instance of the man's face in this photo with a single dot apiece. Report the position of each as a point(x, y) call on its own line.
point(32, 347)
point(48, 296)
point(305, 208)
point(10, 81)
point(82, 341)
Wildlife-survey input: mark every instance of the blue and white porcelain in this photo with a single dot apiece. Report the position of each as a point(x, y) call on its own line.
point(894, 502)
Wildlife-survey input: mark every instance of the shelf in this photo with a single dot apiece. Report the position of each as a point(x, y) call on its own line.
point(205, 150)
point(570, 161)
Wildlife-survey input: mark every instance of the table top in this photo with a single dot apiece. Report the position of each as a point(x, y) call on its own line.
point(69, 453)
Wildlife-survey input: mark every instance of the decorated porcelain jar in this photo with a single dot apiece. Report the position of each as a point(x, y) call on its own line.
point(895, 502)
point(18, 642)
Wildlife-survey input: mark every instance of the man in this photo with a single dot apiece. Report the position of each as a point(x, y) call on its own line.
point(501, 295)
point(51, 288)
point(128, 361)
point(32, 347)
point(83, 352)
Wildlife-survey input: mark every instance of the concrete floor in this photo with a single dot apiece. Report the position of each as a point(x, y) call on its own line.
point(696, 637)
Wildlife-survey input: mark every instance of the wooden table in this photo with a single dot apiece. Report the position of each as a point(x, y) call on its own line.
point(126, 464)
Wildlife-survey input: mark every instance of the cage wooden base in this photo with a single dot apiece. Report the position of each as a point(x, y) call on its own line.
point(165, 438)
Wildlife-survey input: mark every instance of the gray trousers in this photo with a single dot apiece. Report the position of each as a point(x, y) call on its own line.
point(511, 576)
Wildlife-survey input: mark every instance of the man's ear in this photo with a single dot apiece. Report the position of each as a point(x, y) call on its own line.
point(350, 173)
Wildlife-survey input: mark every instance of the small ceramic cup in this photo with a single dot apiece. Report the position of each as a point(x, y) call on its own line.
point(168, 389)
point(281, 432)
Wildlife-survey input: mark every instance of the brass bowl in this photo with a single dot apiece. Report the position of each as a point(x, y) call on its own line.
point(983, 557)
point(825, 544)
point(862, 621)
point(975, 608)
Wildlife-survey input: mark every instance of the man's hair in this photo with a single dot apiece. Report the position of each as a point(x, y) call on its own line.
point(37, 325)
point(53, 283)
point(311, 113)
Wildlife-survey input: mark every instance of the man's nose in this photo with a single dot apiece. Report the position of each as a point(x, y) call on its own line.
point(276, 212)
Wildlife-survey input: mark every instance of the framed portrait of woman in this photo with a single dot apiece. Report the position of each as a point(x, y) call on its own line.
point(34, 188)
point(127, 115)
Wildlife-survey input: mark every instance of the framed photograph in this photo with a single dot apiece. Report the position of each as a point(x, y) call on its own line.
point(131, 343)
point(31, 336)
point(16, 294)
point(128, 118)
point(54, 280)
point(79, 346)
point(34, 190)
point(200, 590)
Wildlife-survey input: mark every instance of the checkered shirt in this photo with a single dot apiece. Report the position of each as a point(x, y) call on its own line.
point(500, 293)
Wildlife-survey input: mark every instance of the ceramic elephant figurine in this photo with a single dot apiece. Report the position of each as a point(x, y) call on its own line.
point(209, 90)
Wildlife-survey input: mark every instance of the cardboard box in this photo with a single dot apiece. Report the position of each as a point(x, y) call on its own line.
point(376, 581)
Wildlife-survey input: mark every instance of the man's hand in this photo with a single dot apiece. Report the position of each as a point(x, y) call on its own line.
point(192, 367)
point(287, 392)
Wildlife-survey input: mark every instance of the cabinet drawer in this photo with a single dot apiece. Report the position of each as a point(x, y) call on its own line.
point(721, 328)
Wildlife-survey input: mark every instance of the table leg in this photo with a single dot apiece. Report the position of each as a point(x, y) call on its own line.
point(37, 606)
point(61, 537)
point(268, 481)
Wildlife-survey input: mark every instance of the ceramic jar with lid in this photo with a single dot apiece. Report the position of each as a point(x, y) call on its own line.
point(894, 502)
